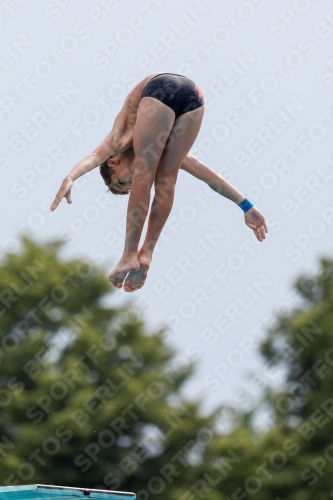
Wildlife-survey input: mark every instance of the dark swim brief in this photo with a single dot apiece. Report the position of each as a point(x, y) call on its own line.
point(176, 91)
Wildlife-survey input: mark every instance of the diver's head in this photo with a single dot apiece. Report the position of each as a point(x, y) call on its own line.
point(117, 172)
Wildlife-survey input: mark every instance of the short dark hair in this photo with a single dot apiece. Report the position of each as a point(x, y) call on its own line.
point(106, 173)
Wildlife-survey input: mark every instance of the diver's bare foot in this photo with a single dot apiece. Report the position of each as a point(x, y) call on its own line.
point(125, 266)
point(136, 279)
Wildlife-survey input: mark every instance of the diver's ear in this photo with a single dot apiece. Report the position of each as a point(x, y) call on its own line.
point(109, 164)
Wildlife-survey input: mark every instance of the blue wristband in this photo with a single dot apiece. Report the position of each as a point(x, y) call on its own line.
point(245, 205)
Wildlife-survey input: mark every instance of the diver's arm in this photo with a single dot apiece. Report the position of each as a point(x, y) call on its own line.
point(118, 140)
point(253, 217)
point(195, 167)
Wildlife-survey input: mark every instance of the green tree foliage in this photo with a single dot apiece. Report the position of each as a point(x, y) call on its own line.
point(87, 398)
point(294, 459)
point(302, 344)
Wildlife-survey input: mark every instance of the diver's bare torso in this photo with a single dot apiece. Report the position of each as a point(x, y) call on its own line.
point(129, 111)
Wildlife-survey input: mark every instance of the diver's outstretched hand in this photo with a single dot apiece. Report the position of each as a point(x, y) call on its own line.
point(64, 192)
point(256, 221)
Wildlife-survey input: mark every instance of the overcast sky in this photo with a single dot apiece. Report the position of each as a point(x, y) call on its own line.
point(266, 71)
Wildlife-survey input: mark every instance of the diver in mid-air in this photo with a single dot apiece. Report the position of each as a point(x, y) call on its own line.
point(148, 144)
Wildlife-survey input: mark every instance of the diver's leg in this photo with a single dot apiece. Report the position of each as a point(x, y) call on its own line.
point(182, 137)
point(152, 128)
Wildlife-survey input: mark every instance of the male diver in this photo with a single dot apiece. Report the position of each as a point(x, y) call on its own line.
point(148, 144)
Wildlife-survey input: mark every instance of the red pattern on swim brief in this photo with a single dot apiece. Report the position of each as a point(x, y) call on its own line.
point(198, 89)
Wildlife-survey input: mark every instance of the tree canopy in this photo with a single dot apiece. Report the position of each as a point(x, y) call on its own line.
point(88, 396)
